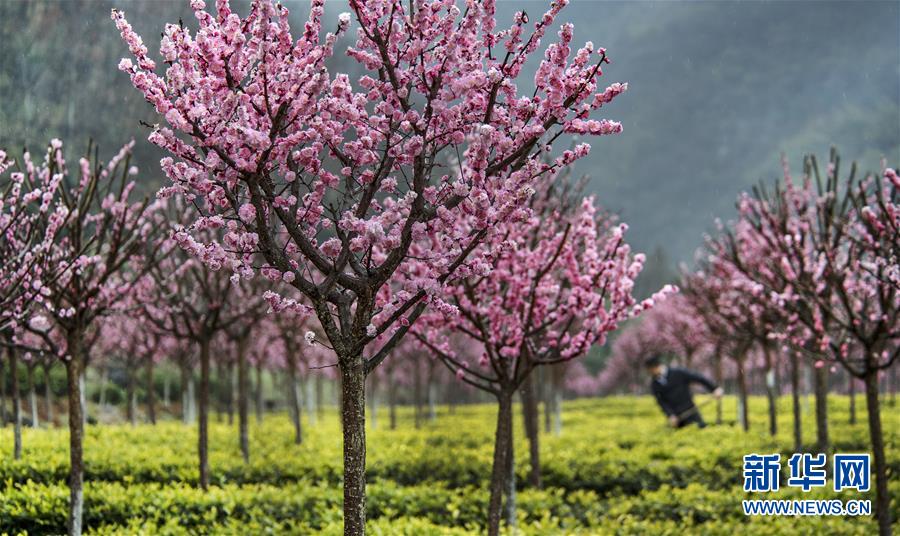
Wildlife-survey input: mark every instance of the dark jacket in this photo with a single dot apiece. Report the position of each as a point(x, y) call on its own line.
point(673, 391)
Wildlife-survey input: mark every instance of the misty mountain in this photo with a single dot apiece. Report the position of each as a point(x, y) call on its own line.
point(717, 92)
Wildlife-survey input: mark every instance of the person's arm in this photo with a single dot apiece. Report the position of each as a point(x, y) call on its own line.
point(693, 377)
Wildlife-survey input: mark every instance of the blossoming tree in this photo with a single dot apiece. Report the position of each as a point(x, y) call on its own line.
point(31, 218)
point(252, 309)
point(819, 255)
point(95, 261)
point(331, 184)
point(298, 357)
point(864, 306)
point(189, 300)
point(561, 280)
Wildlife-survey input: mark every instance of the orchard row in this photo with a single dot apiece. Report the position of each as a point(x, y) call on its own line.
point(806, 278)
point(316, 221)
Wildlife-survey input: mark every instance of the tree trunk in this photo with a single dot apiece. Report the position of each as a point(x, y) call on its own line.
point(74, 377)
point(807, 385)
point(3, 416)
point(851, 387)
point(743, 413)
point(511, 483)
point(821, 387)
point(17, 402)
point(259, 393)
point(203, 422)
point(32, 397)
point(131, 396)
point(243, 401)
point(719, 381)
point(547, 392)
point(82, 389)
point(502, 442)
point(188, 396)
point(771, 392)
point(48, 394)
point(530, 417)
point(151, 393)
point(231, 388)
point(294, 401)
point(795, 399)
point(353, 418)
point(772, 398)
point(882, 499)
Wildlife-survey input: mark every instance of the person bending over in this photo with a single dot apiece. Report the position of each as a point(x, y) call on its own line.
point(672, 388)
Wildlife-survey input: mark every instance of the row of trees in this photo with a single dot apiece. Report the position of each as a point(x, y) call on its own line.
point(368, 207)
point(173, 311)
point(143, 383)
point(423, 211)
point(71, 234)
point(147, 387)
point(418, 211)
point(805, 278)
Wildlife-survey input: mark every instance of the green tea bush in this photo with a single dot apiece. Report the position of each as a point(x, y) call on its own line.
point(614, 469)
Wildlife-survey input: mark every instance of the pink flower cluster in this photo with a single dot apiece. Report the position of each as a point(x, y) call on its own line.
point(812, 266)
point(31, 218)
point(432, 146)
point(559, 283)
